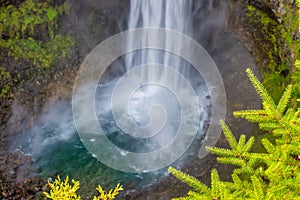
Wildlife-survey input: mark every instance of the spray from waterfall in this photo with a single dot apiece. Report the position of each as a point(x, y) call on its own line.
point(139, 115)
point(53, 140)
point(151, 107)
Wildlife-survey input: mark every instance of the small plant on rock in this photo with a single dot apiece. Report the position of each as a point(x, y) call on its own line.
point(63, 190)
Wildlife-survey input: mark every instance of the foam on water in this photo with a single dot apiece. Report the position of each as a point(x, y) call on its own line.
point(53, 141)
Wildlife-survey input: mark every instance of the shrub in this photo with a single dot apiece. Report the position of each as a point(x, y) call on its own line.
point(271, 175)
point(63, 190)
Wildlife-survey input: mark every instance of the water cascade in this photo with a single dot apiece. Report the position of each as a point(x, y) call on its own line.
point(145, 120)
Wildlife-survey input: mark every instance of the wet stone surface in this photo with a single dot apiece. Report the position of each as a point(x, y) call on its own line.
point(14, 178)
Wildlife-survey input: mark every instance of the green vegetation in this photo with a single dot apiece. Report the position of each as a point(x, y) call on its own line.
point(29, 42)
point(93, 22)
point(108, 195)
point(23, 34)
point(7, 82)
point(295, 79)
point(63, 190)
point(278, 48)
point(274, 174)
point(269, 28)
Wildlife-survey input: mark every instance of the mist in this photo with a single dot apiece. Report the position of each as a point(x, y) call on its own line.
point(54, 136)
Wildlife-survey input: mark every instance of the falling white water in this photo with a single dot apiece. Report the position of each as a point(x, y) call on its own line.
point(158, 97)
point(53, 141)
point(169, 14)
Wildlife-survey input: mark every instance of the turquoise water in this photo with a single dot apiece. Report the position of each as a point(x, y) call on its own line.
point(69, 157)
point(57, 150)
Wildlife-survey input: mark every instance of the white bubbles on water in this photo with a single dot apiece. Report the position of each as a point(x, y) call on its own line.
point(146, 118)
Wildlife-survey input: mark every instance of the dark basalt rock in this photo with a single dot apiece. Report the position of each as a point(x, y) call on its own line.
point(14, 184)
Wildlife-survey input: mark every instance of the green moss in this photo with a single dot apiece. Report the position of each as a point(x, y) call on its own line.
point(93, 22)
point(276, 45)
point(267, 40)
point(7, 83)
point(295, 80)
point(23, 35)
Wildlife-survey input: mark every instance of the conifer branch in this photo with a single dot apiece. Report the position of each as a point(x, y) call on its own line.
point(248, 146)
point(283, 102)
point(257, 188)
point(271, 175)
point(229, 136)
point(215, 184)
point(189, 180)
point(260, 89)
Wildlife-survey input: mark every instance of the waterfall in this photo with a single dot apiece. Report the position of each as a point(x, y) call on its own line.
point(173, 96)
point(170, 14)
point(158, 97)
point(149, 118)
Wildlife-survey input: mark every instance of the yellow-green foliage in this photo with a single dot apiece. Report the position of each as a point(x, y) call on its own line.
point(108, 195)
point(268, 44)
point(277, 36)
point(17, 21)
point(278, 46)
point(27, 32)
point(271, 175)
point(6, 83)
point(295, 80)
point(63, 190)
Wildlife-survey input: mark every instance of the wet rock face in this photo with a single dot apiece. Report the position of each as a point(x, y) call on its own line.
point(279, 7)
point(28, 189)
point(88, 22)
point(16, 165)
point(14, 184)
point(275, 8)
point(265, 27)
